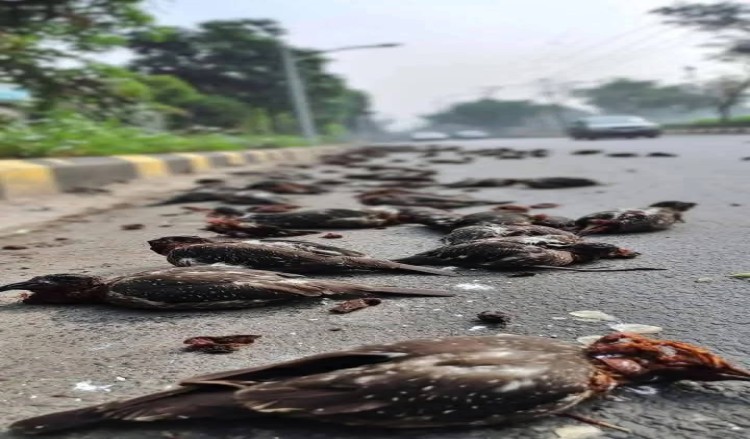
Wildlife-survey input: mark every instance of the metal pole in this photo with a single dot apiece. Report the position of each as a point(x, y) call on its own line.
point(298, 95)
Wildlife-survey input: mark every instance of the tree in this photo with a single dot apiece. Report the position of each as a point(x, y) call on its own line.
point(729, 21)
point(240, 59)
point(36, 36)
point(217, 111)
point(632, 96)
point(727, 92)
point(488, 114)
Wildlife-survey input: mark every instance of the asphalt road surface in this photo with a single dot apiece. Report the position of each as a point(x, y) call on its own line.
point(58, 357)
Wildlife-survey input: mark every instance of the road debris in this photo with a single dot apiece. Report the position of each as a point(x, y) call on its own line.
point(498, 318)
point(331, 235)
point(224, 344)
point(14, 247)
point(132, 226)
point(354, 305)
point(636, 328)
point(578, 432)
point(544, 206)
point(592, 316)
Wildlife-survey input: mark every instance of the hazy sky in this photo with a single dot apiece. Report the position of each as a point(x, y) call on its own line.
point(454, 49)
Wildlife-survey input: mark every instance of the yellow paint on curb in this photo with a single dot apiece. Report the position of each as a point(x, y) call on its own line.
point(234, 158)
point(198, 162)
point(259, 156)
point(21, 178)
point(146, 166)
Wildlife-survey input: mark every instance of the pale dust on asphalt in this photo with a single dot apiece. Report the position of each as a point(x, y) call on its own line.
point(58, 358)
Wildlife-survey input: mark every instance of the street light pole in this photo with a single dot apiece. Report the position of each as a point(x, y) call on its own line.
point(298, 95)
point(298, 91)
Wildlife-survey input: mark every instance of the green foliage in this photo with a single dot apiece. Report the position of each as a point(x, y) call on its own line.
point(37, 35)
point(258, 122)
point(729, 21)
point(285, 123)
point(217, 111)
point(240, 59)
point(629, 96)
point(738, 122)
point(170, 90)
point(66, 134)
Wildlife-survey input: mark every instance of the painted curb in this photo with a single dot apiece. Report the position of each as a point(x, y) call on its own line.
point(32, 177)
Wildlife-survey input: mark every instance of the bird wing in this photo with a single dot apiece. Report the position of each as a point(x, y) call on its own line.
point(313, 247)
point(208, 284)
point(455, 386)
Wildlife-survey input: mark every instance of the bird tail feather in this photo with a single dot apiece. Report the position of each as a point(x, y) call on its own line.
point(398, 266)
point(181, 403)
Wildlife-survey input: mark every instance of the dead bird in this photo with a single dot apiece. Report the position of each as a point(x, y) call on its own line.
point(459, 381)
point(188, 251)
point(236, 229)
point(658, 216)
point(163, 245)
point(499, 254)
point(586, 152)
point(554, 221)
point(493, 217)
point(286, 187)
point(558, 182)
point(482, 182)
point(466, 234)
point(198, 288)
point(226, 195)
point(439, 219)
point(403, 197)
point(395, 174)
point(327, 218)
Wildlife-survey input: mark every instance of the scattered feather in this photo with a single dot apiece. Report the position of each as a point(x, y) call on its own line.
point(577, 432)
point(474, 287)
point(592, 316)
point(636, 328)
point(88, 386)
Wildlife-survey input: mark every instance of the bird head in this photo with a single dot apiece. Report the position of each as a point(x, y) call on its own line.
point(165, 245)
point(59, 288)
point(633, 358)
point(679, 206)
point(596, 250)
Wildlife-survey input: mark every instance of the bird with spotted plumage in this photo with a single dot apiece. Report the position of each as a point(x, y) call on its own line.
point(184, 251)
point(198, 288)
point(510, 254)
point(443, 382)
point(327, 218)
point(466, 234)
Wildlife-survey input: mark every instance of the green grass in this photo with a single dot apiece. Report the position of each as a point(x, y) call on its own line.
point(74, 136)
point(740, 121)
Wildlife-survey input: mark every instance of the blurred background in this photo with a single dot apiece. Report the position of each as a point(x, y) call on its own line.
point(97, 77)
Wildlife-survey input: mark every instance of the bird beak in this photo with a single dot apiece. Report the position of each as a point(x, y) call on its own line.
point(626, 253)
point(732, 373)
point(27, 285)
